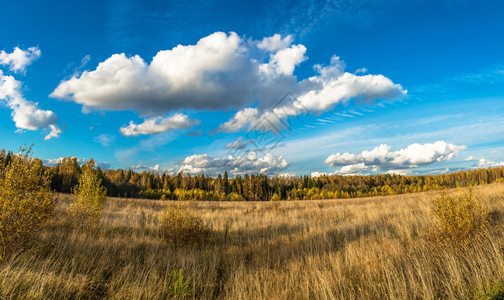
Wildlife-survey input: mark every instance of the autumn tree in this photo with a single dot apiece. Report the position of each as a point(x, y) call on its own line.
point(225, 183)
point(90, 197)
point(68, 171)
point(26, 201)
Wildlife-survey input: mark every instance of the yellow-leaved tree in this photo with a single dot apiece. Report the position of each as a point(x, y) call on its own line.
point(90, 197)
point(460, 216)
point(26, 201)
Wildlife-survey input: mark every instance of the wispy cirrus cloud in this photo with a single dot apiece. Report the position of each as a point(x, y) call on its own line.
point(492, 75)
point(104, 139)
point(76, 69)
point(127, 156)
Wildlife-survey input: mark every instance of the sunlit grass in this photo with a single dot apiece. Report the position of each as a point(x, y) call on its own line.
point(366, 248)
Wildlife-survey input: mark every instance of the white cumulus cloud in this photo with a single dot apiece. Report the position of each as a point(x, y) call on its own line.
point(353, 169)
point(275, 42)
point(486, 163)
point(332, 86)
point(26, 114)
point(249, 164)
point(285, 60)
point(238, 144)
point(286, 176)
point(400, 172)
point(240, 120)
point(158, 125)
point(153, 169)
point(54, 132)
point(19, 59)
point(381, 158)
point(215, 73)
point(223, 71)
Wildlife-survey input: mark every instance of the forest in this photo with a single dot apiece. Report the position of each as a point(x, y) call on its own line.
point(152, 185)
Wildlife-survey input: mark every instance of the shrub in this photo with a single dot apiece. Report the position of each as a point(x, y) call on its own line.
point(179, 227)
point(234, 197)
point(178, 285)
point(26, 201)
point(460, 216)
point(275, 201)
point(275, 198)
point(90, 197)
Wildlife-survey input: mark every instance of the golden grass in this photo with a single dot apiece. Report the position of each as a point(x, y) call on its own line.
point(365, 248)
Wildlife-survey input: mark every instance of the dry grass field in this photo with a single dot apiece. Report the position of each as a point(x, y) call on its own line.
point(366, 248)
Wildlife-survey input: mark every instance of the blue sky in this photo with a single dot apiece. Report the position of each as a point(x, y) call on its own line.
point(285, 87)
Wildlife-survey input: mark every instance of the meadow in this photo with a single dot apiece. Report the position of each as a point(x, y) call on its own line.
point(362, 248)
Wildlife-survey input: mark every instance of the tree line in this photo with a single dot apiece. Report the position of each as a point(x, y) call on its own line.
point(151, 185)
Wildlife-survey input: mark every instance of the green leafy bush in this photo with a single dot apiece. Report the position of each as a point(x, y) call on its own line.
point(178, 285)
